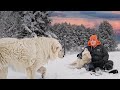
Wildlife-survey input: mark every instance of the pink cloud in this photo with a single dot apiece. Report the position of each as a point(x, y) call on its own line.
point(77, 21)
point(115, 12)
point(115, 24)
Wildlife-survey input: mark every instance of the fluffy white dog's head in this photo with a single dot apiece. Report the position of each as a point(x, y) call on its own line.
point(86, 53)
point(57, 50)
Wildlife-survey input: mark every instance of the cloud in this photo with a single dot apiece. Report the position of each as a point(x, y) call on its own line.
point(101, 14)
point(69, 14)
point(109, 15)
point(58, 14)
point(76, 21)
point(116, 12)
point(115, 24)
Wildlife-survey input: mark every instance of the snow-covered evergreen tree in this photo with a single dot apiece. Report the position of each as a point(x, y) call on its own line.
point(71, 36)
point(15, 23)
point(9, 21)
point(106, 35)
point(36, 21)
point(75, 36)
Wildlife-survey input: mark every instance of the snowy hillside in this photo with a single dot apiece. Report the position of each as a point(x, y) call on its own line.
point(59, 69)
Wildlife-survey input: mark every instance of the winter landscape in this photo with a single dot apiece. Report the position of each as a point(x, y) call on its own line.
point(72, 29)
point(60, 69)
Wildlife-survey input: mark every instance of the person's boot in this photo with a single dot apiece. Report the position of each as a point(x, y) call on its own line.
point(108, 65)
point(109, 68)
point(115, 71)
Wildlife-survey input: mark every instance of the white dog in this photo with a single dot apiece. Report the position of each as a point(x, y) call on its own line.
point(86, 58)
point(28, 54)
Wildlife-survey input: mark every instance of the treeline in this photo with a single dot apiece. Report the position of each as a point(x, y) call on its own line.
point(74, 36)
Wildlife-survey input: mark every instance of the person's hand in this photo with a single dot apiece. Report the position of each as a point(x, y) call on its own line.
point(78, 55)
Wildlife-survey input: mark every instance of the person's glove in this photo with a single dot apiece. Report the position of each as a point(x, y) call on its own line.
point(78, 55)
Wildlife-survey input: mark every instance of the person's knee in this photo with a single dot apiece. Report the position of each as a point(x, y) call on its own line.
point(90, 67)
point(110, 62)
point(108, 65)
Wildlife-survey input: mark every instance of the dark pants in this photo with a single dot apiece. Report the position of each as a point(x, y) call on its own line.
point(106, 65)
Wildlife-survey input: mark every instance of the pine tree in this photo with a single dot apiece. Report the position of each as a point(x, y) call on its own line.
point(71, 36)
point(36, 21)
point(15, 23)
point(106, 35)
point(8, 23)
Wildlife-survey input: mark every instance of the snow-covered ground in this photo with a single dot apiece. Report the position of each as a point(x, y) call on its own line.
point(59, 69)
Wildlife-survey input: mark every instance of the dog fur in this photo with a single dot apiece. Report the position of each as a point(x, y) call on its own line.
point(79, 63)
point(28, 54)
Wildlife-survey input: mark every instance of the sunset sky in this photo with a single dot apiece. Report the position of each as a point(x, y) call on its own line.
point(88, 18)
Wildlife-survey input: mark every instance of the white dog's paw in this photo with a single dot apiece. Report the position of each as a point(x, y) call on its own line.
point(43, 75)
point(42, 70)
point(71, 66)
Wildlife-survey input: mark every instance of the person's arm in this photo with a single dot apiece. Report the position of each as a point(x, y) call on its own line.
point(105, 56)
